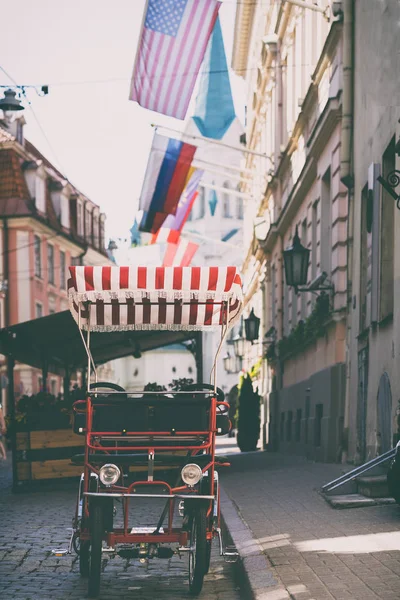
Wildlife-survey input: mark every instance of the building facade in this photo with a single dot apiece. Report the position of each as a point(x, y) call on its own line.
point(292, 60)
point(374, 349)
point(46, 225)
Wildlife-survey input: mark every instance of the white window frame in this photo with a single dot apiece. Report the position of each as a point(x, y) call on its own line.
point(38, 268)
point(40, 194)
point(38, 305)
point(51, 273)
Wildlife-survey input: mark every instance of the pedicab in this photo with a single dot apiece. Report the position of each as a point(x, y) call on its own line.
point(150, 445)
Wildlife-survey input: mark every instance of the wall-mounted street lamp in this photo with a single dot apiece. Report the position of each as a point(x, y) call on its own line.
point(229, 363)
point(252, 327)
point(296, 259)
point(392, 181)
point(239, 345)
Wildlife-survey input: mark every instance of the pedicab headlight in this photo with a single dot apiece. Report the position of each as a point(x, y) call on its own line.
point(191, 474)
point(109, 474)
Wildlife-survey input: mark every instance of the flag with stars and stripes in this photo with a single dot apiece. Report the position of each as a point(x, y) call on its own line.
point(173, 41)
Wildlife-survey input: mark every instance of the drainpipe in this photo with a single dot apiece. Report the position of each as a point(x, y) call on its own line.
point(346, 174)
point(6, 273)
point(82, 256)
point(347, 178)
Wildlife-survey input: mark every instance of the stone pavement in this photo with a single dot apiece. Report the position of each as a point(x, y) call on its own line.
point(32, 524)
point(294, 545)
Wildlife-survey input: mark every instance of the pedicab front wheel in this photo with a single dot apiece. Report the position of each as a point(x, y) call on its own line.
point(84, 556)
point(96, 534)
point(198, 554)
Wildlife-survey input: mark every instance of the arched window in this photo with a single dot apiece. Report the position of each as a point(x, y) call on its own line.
point(226, 201)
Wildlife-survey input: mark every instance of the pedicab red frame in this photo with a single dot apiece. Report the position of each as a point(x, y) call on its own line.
point(132, 298)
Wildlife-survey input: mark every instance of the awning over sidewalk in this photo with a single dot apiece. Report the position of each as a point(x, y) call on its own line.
point(55, 342)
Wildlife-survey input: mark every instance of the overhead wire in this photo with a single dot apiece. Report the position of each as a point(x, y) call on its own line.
point(127, 79)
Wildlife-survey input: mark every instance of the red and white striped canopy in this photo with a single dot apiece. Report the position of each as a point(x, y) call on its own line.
point(122, 298)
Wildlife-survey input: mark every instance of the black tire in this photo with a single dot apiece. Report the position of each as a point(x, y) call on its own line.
point(208, 555)
point(197, 558)
point(84, 551)
point(96, 535)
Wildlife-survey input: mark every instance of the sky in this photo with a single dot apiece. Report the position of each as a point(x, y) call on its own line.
point(84, 50)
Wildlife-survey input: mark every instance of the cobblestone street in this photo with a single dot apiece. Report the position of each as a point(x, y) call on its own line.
point(302, 548)
point(32, 524)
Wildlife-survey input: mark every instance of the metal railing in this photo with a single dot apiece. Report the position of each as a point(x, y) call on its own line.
point(350, 475)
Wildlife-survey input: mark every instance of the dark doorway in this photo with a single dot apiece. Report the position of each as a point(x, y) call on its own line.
point(384, 425)
point(362, 404)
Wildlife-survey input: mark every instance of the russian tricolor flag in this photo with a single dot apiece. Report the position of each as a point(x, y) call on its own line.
point(165, 179)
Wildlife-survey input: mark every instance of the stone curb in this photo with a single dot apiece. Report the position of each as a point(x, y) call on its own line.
point(260, 578)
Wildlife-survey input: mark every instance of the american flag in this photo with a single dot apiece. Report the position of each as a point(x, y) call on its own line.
point(172, 46)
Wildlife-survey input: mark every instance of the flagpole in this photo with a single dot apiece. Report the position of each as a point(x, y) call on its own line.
point(223, 173)
point(211, 141)
point(218, 188)
point(138, 46)
point(189, 234)
point(225, 166)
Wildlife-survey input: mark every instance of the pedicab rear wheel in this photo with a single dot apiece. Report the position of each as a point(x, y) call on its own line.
point(96, 535)
point(198, 554)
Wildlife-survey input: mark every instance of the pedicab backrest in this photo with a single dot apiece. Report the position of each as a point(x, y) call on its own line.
point(153, 414)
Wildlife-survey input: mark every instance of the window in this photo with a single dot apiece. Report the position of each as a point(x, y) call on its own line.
point(88, 226)
point(62, 270)
point(286, 292)
point(96, 230)
point(326, 225)
point(202, 203)
point(50, 263)
point(289, 426)
point(315, 239)
point(319, 413)
point(102, 236)
point(53, 387)
point(40, 194)
point(307, 416)
point(38, 310)
point(298, 426)
point(80, 218)
point(387, 237)
point(304, 241)
point(282, 428)
point(239, 208)
point(273, 296)
point(226, 201)
point(40, 384)
point(38, 255)
point(365, 258)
